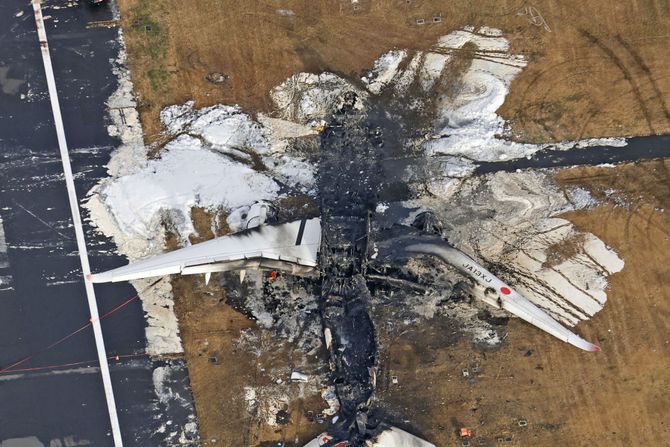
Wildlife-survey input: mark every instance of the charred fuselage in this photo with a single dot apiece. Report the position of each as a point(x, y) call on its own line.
point(350, 180)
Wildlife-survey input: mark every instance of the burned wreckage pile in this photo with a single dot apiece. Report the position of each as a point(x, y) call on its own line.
point(351, 181)
point(348, 185)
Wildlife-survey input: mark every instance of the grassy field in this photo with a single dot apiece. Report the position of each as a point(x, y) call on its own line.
point(595, 68)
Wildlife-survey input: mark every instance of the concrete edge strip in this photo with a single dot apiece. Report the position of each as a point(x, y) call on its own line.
point(76, 219)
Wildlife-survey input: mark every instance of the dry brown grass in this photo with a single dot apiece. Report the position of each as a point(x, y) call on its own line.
point(209, 327)
point(602, 70)
point(618, 397)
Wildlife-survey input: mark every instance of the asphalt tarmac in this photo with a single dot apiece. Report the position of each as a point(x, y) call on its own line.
point(56, 397)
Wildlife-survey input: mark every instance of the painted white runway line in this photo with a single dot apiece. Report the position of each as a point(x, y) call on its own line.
point(76, 219)
point(5, 278)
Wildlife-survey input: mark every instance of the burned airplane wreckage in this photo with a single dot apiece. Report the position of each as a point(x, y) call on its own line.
point(349, 183)
point(342, 246)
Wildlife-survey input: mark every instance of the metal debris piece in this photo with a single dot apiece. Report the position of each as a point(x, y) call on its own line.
point(299, 377)
point(285, 12)
point(216, 77)
point(283, 417)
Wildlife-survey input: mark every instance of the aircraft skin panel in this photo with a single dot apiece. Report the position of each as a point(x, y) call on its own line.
point(503, 295)
point(295, 242)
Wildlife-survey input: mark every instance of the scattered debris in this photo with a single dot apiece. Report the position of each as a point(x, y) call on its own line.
point(299, 377)
point(307, 97)
point(465, 432)
point(283, 417)
point(216, 77)
point(330, 396)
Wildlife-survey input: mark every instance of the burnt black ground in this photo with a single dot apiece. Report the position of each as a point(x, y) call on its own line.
point(45, 299)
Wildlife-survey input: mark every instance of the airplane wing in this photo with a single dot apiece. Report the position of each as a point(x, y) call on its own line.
point(503, 295)
point(291, 246)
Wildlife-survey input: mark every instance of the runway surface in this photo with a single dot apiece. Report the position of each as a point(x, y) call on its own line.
point(42, 295)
